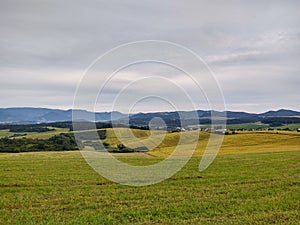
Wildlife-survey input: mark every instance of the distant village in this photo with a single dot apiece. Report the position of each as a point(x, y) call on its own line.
point(222, 131)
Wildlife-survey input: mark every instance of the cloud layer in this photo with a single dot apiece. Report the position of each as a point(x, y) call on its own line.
point(253, 48)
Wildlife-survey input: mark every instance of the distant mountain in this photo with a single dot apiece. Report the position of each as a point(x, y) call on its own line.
point(239, 115)
point(280, 113)
point(22, 115)
point(183, 118)
point(44, 115)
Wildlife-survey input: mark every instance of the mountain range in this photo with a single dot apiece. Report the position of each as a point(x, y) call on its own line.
point(26, 115)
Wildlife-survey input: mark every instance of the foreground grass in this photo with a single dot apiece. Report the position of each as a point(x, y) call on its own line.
point(60, 188)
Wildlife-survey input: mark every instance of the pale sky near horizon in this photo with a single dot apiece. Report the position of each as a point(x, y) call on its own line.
point(252, 47)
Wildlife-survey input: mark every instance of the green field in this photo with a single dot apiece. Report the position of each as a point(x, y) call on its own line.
point(60, 188)
point(255, 179)
point(243, 142)
point(5, 133)
point(40, 135)
point(249, 126)
point(290, 126)
point(48, 134)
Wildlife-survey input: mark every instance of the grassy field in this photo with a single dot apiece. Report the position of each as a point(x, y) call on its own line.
point(290, 126)
point(60, 188)
point(255, 179)
point(5, 133)
point(247, 126)
point(255, 126)
point(242, 126)
point(243, 142)
point(40, 135)
point(48, 134)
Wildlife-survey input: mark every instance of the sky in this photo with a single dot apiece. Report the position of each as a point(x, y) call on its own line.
point(251, 48)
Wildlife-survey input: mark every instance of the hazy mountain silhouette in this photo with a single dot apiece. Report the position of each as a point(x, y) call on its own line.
point(39, 115)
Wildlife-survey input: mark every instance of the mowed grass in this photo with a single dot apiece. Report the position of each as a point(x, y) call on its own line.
point(254, 180)
point(60, 188)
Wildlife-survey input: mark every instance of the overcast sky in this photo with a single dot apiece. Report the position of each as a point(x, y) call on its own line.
point(252, 47)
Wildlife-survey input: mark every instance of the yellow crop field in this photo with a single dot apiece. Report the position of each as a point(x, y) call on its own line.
point(243, 142)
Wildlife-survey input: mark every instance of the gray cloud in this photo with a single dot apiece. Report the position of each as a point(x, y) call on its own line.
point(252, 46)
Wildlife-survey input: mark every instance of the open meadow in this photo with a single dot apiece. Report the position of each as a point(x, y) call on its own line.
point(242, 142)
point(254, 180)
point(149, 112)
point(40, 135)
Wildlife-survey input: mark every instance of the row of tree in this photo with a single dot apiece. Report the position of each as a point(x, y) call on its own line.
point(44, 127)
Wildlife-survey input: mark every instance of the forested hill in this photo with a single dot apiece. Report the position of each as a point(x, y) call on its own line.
point(44, 115)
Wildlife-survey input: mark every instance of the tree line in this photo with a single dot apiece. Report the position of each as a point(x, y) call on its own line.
point(61, 142)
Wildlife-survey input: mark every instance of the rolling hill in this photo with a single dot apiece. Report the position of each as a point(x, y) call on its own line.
point(29, 115)
point(44, 115)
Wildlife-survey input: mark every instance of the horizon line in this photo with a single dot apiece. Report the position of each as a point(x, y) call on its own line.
point(181, 110)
